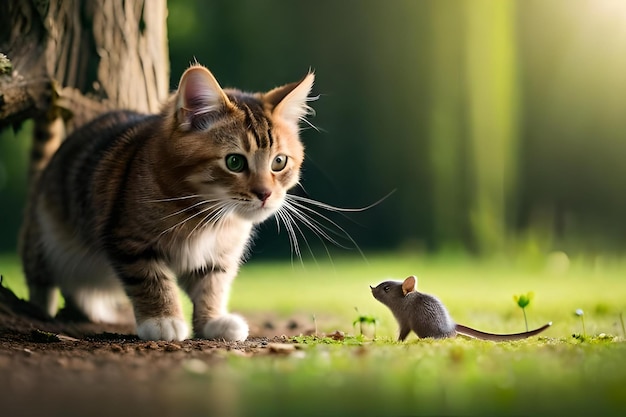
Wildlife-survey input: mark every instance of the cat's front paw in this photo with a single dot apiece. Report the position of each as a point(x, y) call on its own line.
point(163, 328)
point(230, 327)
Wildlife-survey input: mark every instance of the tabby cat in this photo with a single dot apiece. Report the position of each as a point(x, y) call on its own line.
point(142, 204)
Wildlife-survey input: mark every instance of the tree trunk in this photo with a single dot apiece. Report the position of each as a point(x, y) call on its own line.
point(447, 127)
point(66, 62)
point(493, 117)
point(62, 63)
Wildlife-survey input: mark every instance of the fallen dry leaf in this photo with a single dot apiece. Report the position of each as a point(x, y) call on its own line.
point(281, 348)
point(337, 335)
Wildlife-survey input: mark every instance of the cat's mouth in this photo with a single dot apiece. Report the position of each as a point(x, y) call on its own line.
point(256, 204)
point(256, 210)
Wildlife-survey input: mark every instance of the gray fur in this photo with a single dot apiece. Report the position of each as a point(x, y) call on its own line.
point(428, 317)
point(422, 313)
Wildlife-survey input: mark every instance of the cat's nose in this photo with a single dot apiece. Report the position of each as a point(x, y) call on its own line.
point(262, 193)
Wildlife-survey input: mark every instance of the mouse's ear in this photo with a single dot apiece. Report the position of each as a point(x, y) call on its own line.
point(409, 284)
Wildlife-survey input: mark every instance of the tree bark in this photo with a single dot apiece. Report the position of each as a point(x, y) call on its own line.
point(67, 61)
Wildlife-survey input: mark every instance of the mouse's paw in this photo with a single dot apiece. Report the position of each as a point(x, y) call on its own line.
point(163, 328)
point(229, 327)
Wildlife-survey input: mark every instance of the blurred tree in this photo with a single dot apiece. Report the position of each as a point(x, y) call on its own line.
point(573, 174)
point(447, 128)
point(492, 105)
point(496, 121)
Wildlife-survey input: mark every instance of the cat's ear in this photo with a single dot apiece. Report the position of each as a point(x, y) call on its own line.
point(409, 284)
point(289, 102)
point(198, 94)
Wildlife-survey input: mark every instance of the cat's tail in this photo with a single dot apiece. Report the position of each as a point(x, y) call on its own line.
point(477, 334)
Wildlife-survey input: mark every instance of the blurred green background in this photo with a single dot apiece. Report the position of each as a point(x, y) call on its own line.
point(500, 124)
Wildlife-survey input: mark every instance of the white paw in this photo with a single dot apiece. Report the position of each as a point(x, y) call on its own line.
point(230, 327)
point(163, 328)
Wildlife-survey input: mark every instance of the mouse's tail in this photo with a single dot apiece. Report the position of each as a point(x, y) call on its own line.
point(477, 334)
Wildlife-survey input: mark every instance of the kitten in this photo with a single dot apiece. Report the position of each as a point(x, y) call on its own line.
point(141, 204)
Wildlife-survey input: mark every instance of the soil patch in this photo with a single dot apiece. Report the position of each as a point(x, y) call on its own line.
point(52, 367)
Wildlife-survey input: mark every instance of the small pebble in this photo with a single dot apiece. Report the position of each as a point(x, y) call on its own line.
point(116, 348)
point(171, 347)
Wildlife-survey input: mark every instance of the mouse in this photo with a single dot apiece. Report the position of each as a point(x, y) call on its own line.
point(426, 315)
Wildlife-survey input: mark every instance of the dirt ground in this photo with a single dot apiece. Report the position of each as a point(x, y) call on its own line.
point(49, 367)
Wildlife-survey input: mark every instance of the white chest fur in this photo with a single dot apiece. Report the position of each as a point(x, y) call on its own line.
point(220, 245)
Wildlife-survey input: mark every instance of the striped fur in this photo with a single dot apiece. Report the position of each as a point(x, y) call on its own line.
point(140, 204)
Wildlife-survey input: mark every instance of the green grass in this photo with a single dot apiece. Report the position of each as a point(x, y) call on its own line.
point(556, 374)
point(477, 293)
point(432, 378)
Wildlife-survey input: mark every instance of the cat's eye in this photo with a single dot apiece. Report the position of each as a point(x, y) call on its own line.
point(236, 162)
point(386, 288)
point(279, 163)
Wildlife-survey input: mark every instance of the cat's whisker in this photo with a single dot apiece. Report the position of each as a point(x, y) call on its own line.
point(180, 223)
point(276, 217)
point(330, 207)
point(293, 237)
point(222, 211)
point(185, 220)
point(289, 214)
point(184, 197)
point(279, 216)
point(318, 228)
point(214, 210)
point(322, 228)
point(205, 220)
point(188, 208)
point(229, 209)
point(294, 223)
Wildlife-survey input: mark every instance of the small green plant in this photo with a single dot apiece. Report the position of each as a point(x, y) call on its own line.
point(580, 313)
point(40, 336)
point(522, 301)
point(315, 323)
point(365, 319)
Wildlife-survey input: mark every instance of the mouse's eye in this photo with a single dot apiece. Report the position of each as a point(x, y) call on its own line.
point(386, 288)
